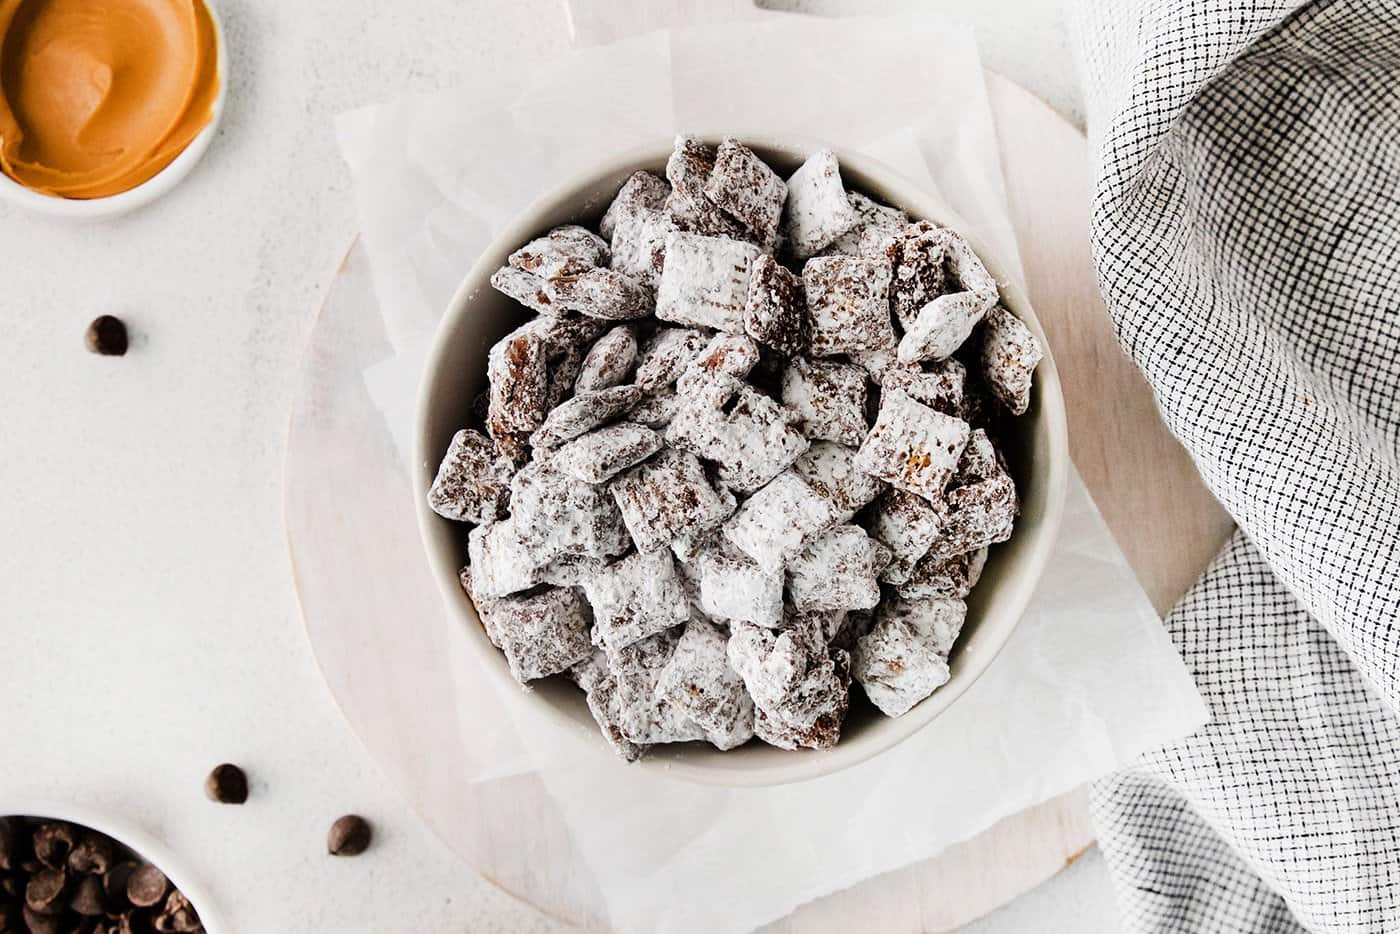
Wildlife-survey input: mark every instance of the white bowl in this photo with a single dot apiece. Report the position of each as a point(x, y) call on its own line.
point(153, 187)
point(1037, 452)
point(138, 841)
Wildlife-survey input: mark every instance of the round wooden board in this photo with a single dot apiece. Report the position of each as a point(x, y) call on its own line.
point(1150, 495)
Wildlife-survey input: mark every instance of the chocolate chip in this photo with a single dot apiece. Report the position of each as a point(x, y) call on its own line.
point(147, 886)
point(227, 784)
point(179, 915)
point(93, 854)
point(45, 889)
point(349, 836)
point(53, 841)
point(107, 336)
point(87, 898)
point(39, 923)
point(115, 879)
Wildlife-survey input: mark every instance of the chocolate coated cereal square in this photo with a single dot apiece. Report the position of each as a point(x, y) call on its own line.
point(818, 210)
point(705, 281)
point(912, 446)
point(642, 191)
point(838, 570)
point(827, 398)
point(473, 480)
point(541, 633)
point(847, 304)
point(635, 597)
point(775, 310)
point(667, 497)
point(744, 432)
point(748, 190)
point(1010, 354)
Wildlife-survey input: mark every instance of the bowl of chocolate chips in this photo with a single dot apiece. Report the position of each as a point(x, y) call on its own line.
point(63, 871)
point(742, 457)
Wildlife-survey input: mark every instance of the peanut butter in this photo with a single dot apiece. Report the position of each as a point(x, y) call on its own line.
point(97, 96)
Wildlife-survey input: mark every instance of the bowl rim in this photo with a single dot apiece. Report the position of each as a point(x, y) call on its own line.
point(127, 832)
point(152, 188)
point(920, 202)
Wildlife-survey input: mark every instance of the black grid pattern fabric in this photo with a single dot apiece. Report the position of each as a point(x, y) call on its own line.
point(1247, 237)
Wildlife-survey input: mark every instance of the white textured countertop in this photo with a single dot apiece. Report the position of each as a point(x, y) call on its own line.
point(148, 623)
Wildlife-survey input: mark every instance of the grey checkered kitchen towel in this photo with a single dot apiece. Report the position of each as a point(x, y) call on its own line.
point(1247, 236)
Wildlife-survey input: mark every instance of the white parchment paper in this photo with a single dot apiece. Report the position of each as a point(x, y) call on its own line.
point(1089, 679)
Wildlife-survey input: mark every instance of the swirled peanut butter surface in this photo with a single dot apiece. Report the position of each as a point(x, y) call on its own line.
point(97, 96)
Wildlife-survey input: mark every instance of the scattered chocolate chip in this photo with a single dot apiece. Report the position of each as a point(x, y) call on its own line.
point(147, 886)
point(45, 890)
point(87, 898)
point(107, 336)
point(53, 841)
point(227, 784)
point(349, 836)
point(114, 880)
point(93, 854)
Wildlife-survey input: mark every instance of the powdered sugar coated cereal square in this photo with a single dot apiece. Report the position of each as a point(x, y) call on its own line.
point(667, 497)
point(775, 310)
point(1010, 354)
point(830, 470)
point(847, 304)
point(818, 210)
point(777, 521)
point(838, 570)
point(744, 432)
point(912, 446)
point(642, 191)
point(705, 281)
point(733, 587)
point(473, 480)
point(565, 250)
point(698, 682)
point(599, 455)
point(635, 597)
point(827, 398)
point(542, 633)
point(748, 190)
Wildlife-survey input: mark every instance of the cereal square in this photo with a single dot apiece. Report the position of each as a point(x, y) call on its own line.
point(601, 454)
point(526, 288)
point(583, 413)
point(917, 255)
point(556, 514)
point(656, 409)
point(748, 190)
point(636, 597)
point(503, 561)
point(907, 525)
point(940, 386)
point(912, 446)
point(516, 370)
point(877, 224)
point(818, 210)
point(979, 514)
point(944, 577)
point(830, 470)
point(698, 683)
point(777, 521)
point(838, 570)
point(608, 361)
point(541, 633)
point(800, 688)
point(564, 251)
point(732, 587)
point(666, 354)
point(1010, 354)
point(643, 717)
point(600, 293)
point(847, 304)
point(688, 169)
point(726, 355)
point(705, 281)
point(827, 398)
point(744, 432)
point(904, 657)
point(775, 310)
point(473, 480)
point(667, 497)
point(642, 191)
point(639, 245)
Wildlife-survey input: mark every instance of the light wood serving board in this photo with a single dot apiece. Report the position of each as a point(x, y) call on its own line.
point(1150, 494)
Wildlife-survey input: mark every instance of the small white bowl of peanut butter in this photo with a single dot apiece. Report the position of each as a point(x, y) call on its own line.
point(105, 108)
